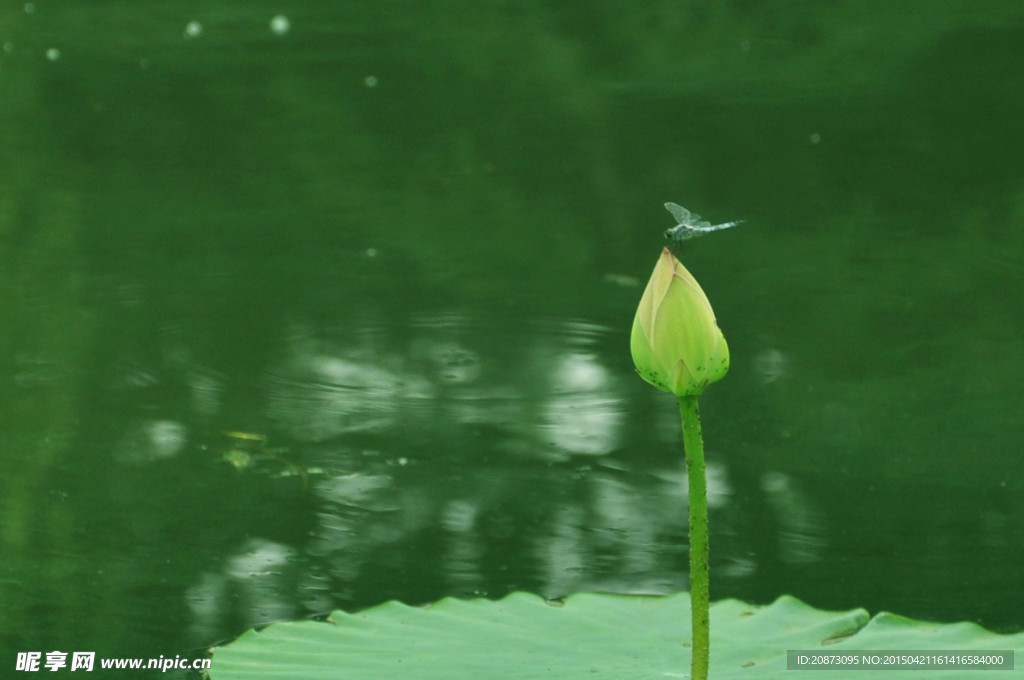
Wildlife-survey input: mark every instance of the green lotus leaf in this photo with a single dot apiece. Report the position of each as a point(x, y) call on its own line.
point(589, 636)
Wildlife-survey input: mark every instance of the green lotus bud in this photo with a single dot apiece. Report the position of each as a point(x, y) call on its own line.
point(676, 343)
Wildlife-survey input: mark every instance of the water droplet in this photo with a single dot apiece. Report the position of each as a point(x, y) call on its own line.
point(280, 24)
point(371, 81)
point(193, 29)
point(53, 54)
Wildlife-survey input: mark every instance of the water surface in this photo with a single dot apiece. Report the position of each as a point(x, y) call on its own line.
point(320, 313)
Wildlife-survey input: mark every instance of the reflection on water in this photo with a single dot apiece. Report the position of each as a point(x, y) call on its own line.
point(151, 440)
point(582, 413)
point(549, 397)
point(223, 409)
point(801, 533)
point(442, 459)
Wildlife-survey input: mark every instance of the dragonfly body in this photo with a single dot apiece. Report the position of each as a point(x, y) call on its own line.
point(689, 225)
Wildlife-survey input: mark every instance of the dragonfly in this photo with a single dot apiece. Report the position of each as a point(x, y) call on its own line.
point(689, 225)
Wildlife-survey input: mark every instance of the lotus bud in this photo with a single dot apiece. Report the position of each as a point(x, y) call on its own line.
point(676, 343)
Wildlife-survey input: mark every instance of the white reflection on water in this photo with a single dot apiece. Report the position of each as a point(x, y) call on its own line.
point(562, 552)
point(771, 365)
point(206, 392)
point(323, 391)
point(718, 488)
point(582, 413)
point(506, 453)
point(263, 574)
point(801, 537)
point(545, 395)
point(452, 362)
point(151, 440)
point(464, 547)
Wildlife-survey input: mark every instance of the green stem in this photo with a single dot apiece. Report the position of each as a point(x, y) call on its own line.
point(699, 579)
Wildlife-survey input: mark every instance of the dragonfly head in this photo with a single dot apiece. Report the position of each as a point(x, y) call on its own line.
point(680, 232)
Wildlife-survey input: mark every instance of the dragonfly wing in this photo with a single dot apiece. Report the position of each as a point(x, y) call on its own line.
point(681, 214)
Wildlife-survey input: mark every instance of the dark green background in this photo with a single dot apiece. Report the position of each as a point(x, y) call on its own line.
point(404, 242)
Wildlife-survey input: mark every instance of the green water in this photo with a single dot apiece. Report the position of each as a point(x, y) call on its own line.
point(317, 313)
